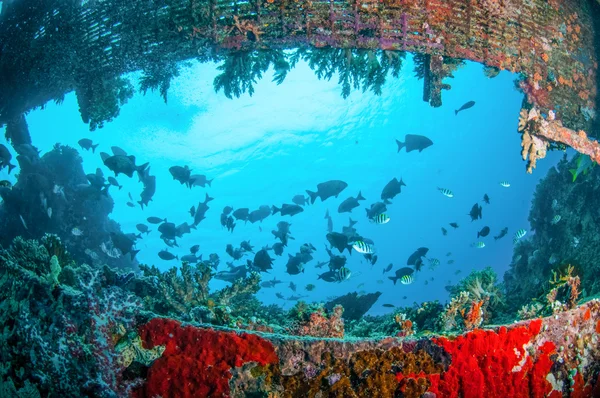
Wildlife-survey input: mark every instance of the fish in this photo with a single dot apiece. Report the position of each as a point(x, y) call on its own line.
point(241, 214)
point(363, 247)
point(329, 276)
point(446, 192)
point(310, 287)
point(287, 209)
point(433, 262)
point(380, 219)
point(502, 234)
point(149, 188)
point(143, 228)
point(391, 189)
point(49, 212)
point(556, 219)
point(444, 231)
point(413, 258)
point(584, 163)
point(279, 296)
point(181, 174)
point(118, 151)
point(124, 243)
point(201, 210)
point(120, 164)
point(190, 258)
point(458, 271)
point(233, 274)
point(260, 214)
point(301, 200)
point(87, 144)
point(76, 232)
point(448, 254)
point(292, 286)
point(454, 225)
point(349, 204)
point(505, 184)
point(321, 264)
point(166, 255)
point(339, 241)
point(484, 232)
point(360, 285)
point(372, 258)
point(199, 180)
point(5, 184)
point(388, 305)
point(326, 190)
point(407, 279)
point(294, 265)
point(263, 261)
point(227, 210)
point(109, 250)
point(5, 158)
point(343, 274)
point(376, 209)
point(156, 220)
point(277, 248)
point(388, 268)
point(553, 259)
point(450, 262)
point(295, 297)
point(466, 105)
point(272, 283)
point(329, 221)
point(486, 198)
point(246, 246)
point(519, 234)
point(236, 254)
point(113, 181)
point(479, 245)
point(414, 142)
point(475, 212)
point(130, 204)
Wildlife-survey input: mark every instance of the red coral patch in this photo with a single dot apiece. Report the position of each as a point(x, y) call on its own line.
point(197, 362)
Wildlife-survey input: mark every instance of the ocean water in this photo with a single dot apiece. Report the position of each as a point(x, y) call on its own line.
point(285, 139)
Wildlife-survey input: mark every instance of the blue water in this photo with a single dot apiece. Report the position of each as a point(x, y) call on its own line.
point(285, 139)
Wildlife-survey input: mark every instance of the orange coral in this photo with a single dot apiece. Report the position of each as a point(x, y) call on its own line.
point(474, 317)
point(545, 57)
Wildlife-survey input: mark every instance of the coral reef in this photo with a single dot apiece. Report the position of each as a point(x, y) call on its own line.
point(574, 239)
point(60, 323)
point(316, 321)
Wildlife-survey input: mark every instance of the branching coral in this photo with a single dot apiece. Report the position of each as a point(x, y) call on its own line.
point(318, 323)
point(565, 292)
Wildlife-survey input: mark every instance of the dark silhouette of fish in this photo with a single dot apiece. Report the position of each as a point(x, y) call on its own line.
point(416, 256)
point(326, 190)
point(475, 212)
point(87, 144)
point(502, 234)
point(467, 105)
point(287, 209)
point(405, 271)
point(414, 142)
point(347, 205)
point(391, 189)
point(484, 232)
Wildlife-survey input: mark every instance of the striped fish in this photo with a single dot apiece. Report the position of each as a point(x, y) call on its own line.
point(362, 247)
point(479, 245)
point(380, 219)
point(505, 184)
point(434, 262)
point(446, 192)
point(519, 234)
point(407, 279)
point(343, 274)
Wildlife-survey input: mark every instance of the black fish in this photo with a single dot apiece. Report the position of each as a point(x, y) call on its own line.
point(300, 200)
point(5, 157)
point(260, 214)
point(327, 189)
point(389, 305)
point(278, 248)
point(294, 265)
point(388, 268)
point(467, 105)
point(184, 228)
point(444, 231)
point(376, 209)
point(339, 241)
point(283, 232)
point(454, 225)
point(233, 274)
point(502, 234)
point(292, 286)
point(263, 261)
point(347, 205)
point(475, 212)
point(420, 252)
point(149, 189)
point(118, 151)
point(241, 214)
point(190, 258)
point(181, 174)
point(400, 273)
point(236, 254)
point(201, 210)
point(287, 210)
point(392, 188)
point(414, 142)
point(329, 221)
point(227, 210)
point(486, 198)
point(87, 144)
point(194, 249)
point(329, 276)
point(120, 164)
point(113, 181)
point(193, 212)
point(130, 204)
point(199, 180)
point(246, 246)
point(143, 228)
point(168, 230)
point(484, 232)
point(124, 243)
point(156, 220)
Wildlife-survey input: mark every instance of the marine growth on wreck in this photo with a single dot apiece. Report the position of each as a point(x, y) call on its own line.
point(308, 198)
